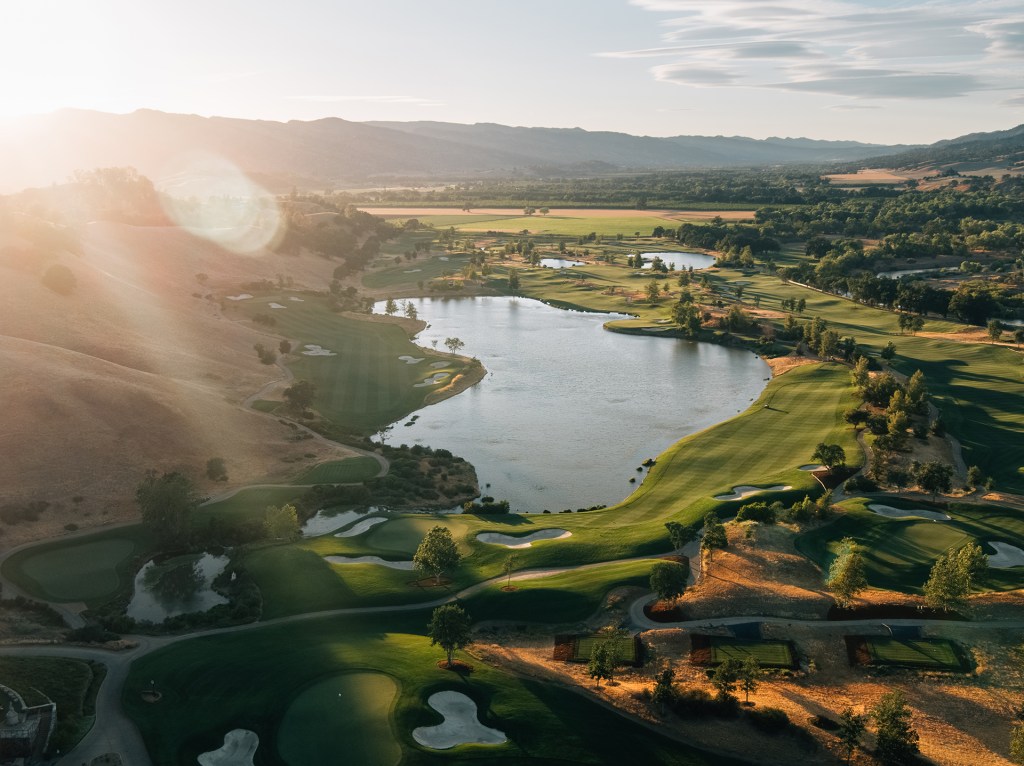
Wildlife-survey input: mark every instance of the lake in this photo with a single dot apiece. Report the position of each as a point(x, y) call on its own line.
point(568, 410)
point(680, 261)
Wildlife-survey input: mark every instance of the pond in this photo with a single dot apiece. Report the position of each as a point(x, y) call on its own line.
point(177, 585)
point(680, 261)
point(911, 272)
point(569, 410)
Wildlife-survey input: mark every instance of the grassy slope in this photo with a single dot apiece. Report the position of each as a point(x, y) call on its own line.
point(899, 553)
point(247, 680)
point(348, 471)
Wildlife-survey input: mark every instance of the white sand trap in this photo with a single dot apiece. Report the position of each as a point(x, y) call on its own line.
point(362, 526)
point(443, 258)
point(526, 541)
point(438, 365)
point(460, 726)
point(297, 300)
point(1006, 556)
point(412, 271)
point(410, 359)
point(812, 467)
point(745, 490)
point(433, 380)
point(312, 349)
point(907, 513)
point(242, 297)
point(407, 565)
point(276, 306)
point(238, 749)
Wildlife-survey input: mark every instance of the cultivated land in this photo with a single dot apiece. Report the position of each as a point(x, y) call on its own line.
point(275, 678)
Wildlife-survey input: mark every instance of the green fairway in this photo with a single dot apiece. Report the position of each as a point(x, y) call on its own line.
point(348, 471)
point(404, 535)
point(253, 679)
point(899, 553)
point(89, 569)
point(343, 714)
point(770, 654)
point(573, 226)
point(424, 268)
point(364, 384)
point(927, 653)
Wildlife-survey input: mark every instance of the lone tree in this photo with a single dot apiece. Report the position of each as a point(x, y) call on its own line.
point(167, 503)
point(281, 523)
point(715, 536)
point(216, 470)
point(449, 628)
point(896, 740)
point(300, 395)
point(602, 662)
point(851, 729)
point(508, 566)
point(846, 576)
point(829, 455)
point(390, 307)
point(680, 534)
point(953, 576)
point(934, 477)
point(437, 553)
point(668, 580)
point(725, 677)
point(664, 693)
point(750, 676)
point(513, 280)
point(454, 345)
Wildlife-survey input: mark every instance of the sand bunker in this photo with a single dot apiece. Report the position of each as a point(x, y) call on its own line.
point(443, 258)
point(238, 749)
point(328, 521)
point(745, 490)
point(407, 565)
point(812, 467)
point(312, 349)
point(460, 726)
point(438, 365)
point(433, 380)
point(362, 526)
point(297, 300)
point(526, 541)
point(1006, 556)
point(242, 297)
point(906, 513)
point(410, 359)
point(412, 271)
point(276, 306)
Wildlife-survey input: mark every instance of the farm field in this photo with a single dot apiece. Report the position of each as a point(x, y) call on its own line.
point(899, 553)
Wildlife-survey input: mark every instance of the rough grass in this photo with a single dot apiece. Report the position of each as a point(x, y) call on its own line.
point(250, 679)
point(408, 273)
point(899, 553)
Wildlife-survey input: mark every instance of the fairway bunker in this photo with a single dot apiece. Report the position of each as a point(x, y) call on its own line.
point(1006, 556)
point(433, 380)
point(745, 490)
point(297, 300)
point(242, 297)
point(460, 726)
point(406, 565)
point(438, 365)
point(360, 527)
point(526, 541)
point(410, 359)
point(812, 467)
point(238, 749)
point(277, 306)
point(906, 513)
point(312, 349)
point(329, 521)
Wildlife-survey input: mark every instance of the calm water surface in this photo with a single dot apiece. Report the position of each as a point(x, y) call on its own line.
point(680, 261)
point(569, 410)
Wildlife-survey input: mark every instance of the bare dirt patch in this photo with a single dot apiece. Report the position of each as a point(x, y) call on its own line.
point(780, 365)
point(867, 176)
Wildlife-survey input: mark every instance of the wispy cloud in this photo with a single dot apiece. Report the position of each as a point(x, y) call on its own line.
point(920, 50)
point(332, 99)
point(1015, 101)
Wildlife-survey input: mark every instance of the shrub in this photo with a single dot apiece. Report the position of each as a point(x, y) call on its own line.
point(60, 279)
point(757, 512)
point(860, 483)
point(769, 720)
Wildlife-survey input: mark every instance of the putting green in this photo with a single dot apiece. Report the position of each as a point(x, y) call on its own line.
point(78, 572)
point(341, 719)
point(405, 535)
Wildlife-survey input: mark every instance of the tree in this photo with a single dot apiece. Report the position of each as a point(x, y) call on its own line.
point(216, 470)
point(714, 534)
point(679, 534)
point(1017, 744)
point(972, 565)
point(167, 503)
point(725, 677)
point(846, 576)
point(300, 396)
point(508, 566)
point(995, 330)
point(437, 553)
point(934, 477)
point(829, 455)
point(390, 307)
point(449, 628)
point(856, 417)
point(851, 729)
point(896, 740)
point(668, 580)
point(266, 355)
point(410, 310)
point(889, 351)
point(285, 347)
point(664, 693)
point(1018, 336)
point(974, 476)
point(860, 375)
point(513, 280)
point(687, 318)
point(281, 523)
point(602, 662)
point(653, 292)
point(916, 392)
point(954, 575)
point(454, 345)
point(750, 675)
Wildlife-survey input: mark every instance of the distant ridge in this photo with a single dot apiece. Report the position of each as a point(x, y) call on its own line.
point(1001, 149)
point(44, 149)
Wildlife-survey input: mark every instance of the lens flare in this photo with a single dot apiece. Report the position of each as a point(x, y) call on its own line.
point(211, 198)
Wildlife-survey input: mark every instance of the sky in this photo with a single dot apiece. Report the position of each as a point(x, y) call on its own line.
point(903, 71)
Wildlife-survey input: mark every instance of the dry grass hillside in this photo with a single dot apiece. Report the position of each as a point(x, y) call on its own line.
point(132, 371)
